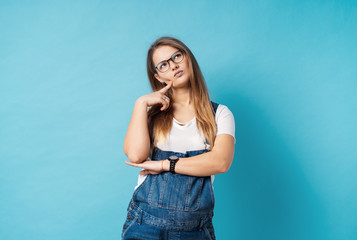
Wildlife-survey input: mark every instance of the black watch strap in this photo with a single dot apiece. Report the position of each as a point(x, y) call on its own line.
point(173, 160)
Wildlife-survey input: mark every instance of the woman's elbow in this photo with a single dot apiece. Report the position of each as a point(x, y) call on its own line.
point(225, 165)
point(135, 158)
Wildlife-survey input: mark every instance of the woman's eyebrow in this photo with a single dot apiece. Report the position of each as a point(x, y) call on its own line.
point(169, 57)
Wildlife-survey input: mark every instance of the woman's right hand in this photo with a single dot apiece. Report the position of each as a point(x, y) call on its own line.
point(158, 97)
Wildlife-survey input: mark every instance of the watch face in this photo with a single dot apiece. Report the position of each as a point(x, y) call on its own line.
point(173, 157)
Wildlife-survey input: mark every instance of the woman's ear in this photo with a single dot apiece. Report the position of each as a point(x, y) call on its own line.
point(158, 78)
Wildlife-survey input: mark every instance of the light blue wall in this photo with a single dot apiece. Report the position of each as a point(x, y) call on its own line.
point(70, 72)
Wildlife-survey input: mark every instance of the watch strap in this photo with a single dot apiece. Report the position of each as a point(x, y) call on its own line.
point(173, 160)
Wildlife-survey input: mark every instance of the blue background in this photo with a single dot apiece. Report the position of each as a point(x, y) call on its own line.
point(70, 72)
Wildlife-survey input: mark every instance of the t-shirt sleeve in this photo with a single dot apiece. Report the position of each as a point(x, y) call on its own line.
point(225, 121)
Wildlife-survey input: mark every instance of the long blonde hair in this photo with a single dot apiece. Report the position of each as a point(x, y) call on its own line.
point(160, 122)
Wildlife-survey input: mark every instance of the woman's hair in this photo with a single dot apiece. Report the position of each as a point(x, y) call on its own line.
point(160, 122)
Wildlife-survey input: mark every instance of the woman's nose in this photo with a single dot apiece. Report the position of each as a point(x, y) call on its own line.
point(174, 65)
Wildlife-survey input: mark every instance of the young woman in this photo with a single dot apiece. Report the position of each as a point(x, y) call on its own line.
point(182, 140)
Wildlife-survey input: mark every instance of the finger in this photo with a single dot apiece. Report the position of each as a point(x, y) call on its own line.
point(143, 172)
point(165, 106)
point(166, 98)
point(131, 164)
point(167, 87)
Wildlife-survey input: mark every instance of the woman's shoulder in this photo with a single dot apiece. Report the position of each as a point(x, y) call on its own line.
point(220, 109)
point(225, 120)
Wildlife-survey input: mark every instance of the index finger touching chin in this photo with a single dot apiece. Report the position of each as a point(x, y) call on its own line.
point(167, 87)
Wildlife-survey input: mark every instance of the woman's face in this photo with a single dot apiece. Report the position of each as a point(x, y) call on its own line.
point(177, 72)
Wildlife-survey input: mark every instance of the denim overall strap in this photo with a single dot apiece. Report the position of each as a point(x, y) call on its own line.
point(214, 106)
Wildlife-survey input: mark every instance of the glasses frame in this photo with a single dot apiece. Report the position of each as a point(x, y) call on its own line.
point(168, 60)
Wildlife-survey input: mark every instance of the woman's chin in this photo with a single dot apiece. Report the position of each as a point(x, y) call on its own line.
point(180, 83)
point(179, 86)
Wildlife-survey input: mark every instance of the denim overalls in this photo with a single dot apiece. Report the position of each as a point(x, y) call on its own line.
point(171, 206)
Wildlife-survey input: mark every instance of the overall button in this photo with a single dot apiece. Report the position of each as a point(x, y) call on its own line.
point(210, 225)
point(132, 207)
point(124, 227)
point(129, 217)
point(212, 236)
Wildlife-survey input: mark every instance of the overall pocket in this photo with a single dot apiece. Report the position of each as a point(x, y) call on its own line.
point(129, 222)
point(175, 192)
point(209, 230)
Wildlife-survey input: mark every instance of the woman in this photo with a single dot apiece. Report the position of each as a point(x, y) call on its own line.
point(182, 140)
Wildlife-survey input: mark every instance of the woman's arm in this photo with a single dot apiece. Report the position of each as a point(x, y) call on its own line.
point(137, 140)
point(218, 160)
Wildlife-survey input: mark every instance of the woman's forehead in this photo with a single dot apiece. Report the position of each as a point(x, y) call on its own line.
point(163, 53)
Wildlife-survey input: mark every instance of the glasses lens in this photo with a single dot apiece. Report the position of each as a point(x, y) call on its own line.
point(163, 66)
point(178, 57)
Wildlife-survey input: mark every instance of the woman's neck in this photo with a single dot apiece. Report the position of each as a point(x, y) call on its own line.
point(181, 96)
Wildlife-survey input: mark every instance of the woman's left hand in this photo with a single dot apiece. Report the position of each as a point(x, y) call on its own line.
point(151, 167)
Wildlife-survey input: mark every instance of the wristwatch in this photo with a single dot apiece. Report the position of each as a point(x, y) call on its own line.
point(173, 160)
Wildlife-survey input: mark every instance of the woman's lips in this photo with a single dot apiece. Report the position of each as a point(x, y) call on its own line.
point(178, 74)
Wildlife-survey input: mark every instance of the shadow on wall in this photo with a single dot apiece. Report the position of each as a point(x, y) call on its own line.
point(265, 194)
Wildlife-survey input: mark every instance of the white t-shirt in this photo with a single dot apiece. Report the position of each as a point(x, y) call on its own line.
point(185, 137)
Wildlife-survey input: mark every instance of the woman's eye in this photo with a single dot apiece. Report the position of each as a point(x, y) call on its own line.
point(162, 65)
point(177, 55)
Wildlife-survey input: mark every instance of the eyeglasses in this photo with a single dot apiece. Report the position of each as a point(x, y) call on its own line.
point(163, 66)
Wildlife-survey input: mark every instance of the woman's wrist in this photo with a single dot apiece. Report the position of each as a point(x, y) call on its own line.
point(165, 165)
point(141, 100)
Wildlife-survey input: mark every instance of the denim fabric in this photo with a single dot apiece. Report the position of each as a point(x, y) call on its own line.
point(171, 206)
